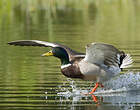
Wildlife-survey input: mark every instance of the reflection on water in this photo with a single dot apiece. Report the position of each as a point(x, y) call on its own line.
point(121, 101)
point(28, 81)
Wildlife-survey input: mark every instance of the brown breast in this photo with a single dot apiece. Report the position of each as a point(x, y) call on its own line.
point(72, 71)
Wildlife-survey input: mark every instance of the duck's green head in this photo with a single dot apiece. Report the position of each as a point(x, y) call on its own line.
point(60, 53)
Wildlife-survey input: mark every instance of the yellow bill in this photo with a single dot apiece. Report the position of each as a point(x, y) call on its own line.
point(48, 54)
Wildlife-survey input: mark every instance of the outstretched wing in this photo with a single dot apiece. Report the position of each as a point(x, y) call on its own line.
point(72, 54)
point(100, 53)
point(33, 43)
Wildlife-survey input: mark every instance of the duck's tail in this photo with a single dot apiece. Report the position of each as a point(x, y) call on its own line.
point(127, 61)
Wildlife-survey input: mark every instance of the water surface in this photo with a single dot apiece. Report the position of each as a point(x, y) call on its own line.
point(29, 81)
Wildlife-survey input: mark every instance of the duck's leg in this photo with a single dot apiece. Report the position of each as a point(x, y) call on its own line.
point(94, 98)
point(95, 87)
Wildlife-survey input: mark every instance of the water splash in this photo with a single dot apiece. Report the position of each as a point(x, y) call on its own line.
point(125, 82)
point(75, 91)
point(129, 81)
point(122, 90)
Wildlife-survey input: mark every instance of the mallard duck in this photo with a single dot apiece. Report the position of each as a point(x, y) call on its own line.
point(100, 63)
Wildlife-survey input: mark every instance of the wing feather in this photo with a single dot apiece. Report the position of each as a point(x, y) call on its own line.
point(100, 53)
point(33, 43)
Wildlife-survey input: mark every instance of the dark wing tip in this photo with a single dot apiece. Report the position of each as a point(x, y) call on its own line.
point(21, 43)
point(26, 43)
point(14, 43)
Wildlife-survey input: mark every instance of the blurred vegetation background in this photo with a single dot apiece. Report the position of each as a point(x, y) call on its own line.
point(38, 18)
